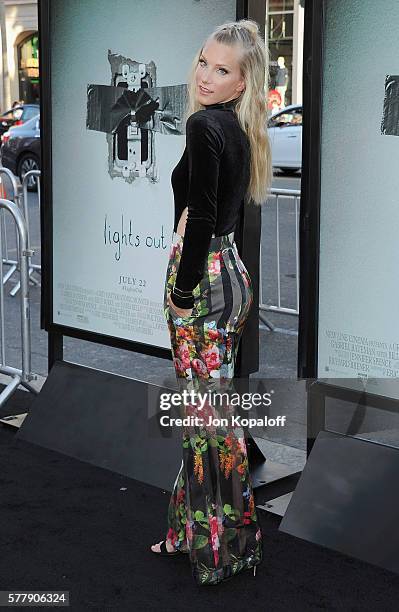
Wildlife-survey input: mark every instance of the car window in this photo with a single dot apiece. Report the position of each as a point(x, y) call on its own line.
point(31, 124)
point(293, 117)
point(30, 112)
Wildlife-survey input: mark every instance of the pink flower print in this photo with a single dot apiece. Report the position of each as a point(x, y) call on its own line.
point(179, 366)
point(241, 469)
point(193, 411)
point(199, 367)
point(214, 265)
point(213, 523)
point(213, 334)
point(211, 358)
point(172, 536)
point(180, 496)
point(207, 412)
point(258, 535)
point(229, 440)
point(184, 355)
point(242, 446)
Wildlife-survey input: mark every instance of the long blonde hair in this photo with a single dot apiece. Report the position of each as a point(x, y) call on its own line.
point(251, 107)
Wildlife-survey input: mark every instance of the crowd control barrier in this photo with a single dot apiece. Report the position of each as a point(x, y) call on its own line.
point(274, 262)
point(19, 195)
point(19, 376)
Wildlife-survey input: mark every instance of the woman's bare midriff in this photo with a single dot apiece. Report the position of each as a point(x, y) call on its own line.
point(182, 222)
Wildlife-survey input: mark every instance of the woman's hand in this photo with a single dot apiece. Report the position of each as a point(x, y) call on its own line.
point(181, 312)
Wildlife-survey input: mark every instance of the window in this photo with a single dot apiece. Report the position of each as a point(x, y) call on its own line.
point(30, 112)
point(280, 36)
point(28, 68)
point(286, 119)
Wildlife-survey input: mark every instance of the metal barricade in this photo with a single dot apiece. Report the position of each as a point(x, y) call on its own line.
point(20, 196)
point(278, 307)
point(25, 180)
point(15, 197)
point(19, 376)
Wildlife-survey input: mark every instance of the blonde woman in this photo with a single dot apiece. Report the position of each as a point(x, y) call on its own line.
point(208, 295)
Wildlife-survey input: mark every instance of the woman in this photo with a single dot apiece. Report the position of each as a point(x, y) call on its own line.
point(208, 294)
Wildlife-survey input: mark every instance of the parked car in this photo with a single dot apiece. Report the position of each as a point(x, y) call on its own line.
point(20, 150)
point(18, 115)
point(285, 132)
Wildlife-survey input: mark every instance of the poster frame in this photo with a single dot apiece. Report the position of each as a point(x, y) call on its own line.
point(56, 331)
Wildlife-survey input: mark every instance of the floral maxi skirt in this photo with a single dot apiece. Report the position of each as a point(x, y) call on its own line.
point(211, 514)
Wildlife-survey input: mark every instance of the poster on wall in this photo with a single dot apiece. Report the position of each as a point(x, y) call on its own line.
point(359, 213)
point(118, 92)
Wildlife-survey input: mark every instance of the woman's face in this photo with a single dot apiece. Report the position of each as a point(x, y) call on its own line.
point(218, 72)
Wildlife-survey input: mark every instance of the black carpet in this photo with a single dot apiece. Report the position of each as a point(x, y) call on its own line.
point(66, 525)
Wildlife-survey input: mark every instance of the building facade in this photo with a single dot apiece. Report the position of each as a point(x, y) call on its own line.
point(284, 34)
point(22, 44)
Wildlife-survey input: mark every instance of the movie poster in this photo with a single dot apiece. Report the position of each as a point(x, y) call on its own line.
point(359, 213)
point(118, 80)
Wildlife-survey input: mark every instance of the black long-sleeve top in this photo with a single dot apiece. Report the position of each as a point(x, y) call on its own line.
point(211, 179)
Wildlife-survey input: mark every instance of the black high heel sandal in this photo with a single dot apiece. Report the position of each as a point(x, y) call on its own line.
point(164, 551)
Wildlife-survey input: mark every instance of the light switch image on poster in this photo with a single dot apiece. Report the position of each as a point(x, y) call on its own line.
point(129, 111)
